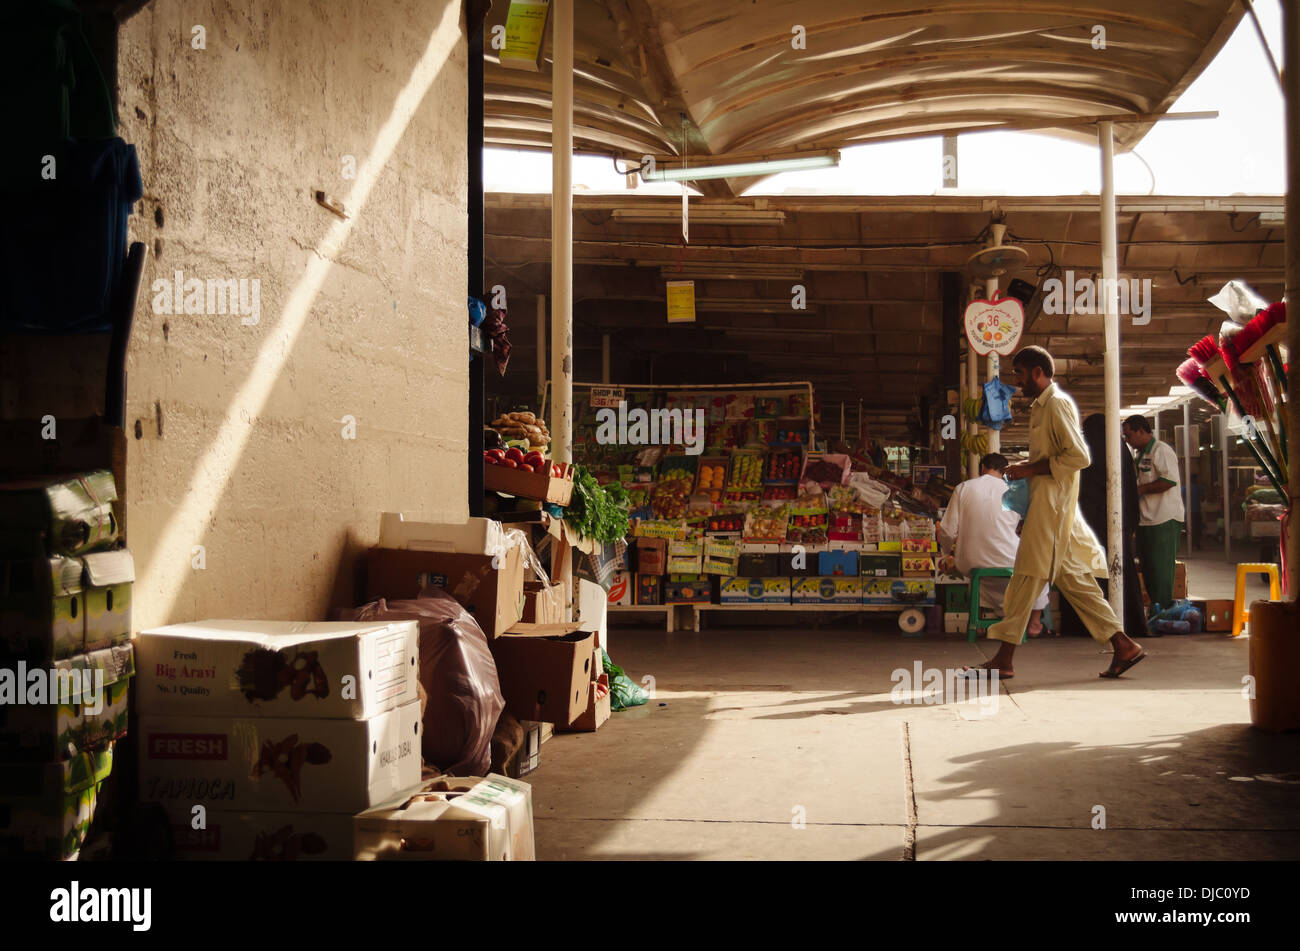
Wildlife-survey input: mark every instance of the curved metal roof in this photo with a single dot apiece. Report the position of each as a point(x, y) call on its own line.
point(726, 78)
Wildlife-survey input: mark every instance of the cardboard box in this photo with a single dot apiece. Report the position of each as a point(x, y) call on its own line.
point(529, 755)
point(686, 556)
point(71, 515)
point(742, 590)
point(545, 678)
point(491, 587)
point(649, 589)
point(598, 702)
point(42, 608)
point(758, 566)
point(688, 592)
point(721, 556)
point(268, 764)
point(543, 603)
point(86, 708)
point(807, 566)
point(834, 563)
point(1180, 581)
point(474, 536)
point(827, 590)
point(591, 613)
point(236, 836)
point(918, 546)
point(298, 669)
point(108, 579)
point(49, 808)
point(878, 590)
point(956, 622)
point(620, 592)
point(1216, 614)
point(917, 566)
point(876, 565)
point(475, 820)
point(912, 591)
point(651, 556)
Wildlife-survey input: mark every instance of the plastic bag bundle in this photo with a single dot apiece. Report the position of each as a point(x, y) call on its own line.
point(1016, 497)
point(624, 692)
point(458, 676)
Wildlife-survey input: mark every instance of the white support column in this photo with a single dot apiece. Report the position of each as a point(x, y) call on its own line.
point(562, 255)
point(1110, 275)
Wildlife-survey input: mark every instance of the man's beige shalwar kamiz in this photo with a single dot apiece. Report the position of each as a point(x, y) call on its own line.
point(1056, 545)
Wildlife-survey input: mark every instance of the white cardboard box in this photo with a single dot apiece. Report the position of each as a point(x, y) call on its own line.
point(275, 765)
point(476, 536)
point(488, 819)
point(259, 836)
point(277, 668)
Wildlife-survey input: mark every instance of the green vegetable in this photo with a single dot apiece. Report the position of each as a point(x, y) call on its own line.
point(599, 512)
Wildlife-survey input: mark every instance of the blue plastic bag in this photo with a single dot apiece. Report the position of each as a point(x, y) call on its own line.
point(995, 408)
point(1016, 497)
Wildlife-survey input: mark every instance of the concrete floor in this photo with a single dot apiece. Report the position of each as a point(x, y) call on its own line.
point(766, 743)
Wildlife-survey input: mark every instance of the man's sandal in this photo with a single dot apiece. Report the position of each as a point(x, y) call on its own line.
point(1114, 672)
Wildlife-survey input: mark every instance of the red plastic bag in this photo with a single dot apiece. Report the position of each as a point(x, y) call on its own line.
point(458, 675)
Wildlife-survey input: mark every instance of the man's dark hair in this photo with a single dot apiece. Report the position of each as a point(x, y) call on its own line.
point(1035, 356)
point(994, 460)
point(1138, 423)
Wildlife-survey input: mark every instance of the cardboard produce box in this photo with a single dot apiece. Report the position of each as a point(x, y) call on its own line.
point(688, 592)
point(71, 515)
point(1180, 581)
point(109, 576)
point(620, 592)
point(467, 819)
point(545, 678)
point(48, 808)
point(42, 608)
point(649, 589)
point(86, 708)
point(917, 566)
point(956, 622)
point(651, 556)
point(299, 669)
point(913, 591)
point(543, 603)
point(833, 590)
point(598, 707)
point(877, 565)
point(878, 591)
point(491, 587)
point(276, 765)
point(1216, 614)
point(758, 566)
point(834, 563)
point(229, 835)
point(800, 566)
point(742, 590)
point(721, 556)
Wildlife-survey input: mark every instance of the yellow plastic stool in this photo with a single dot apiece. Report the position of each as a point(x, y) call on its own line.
point(1240, 614)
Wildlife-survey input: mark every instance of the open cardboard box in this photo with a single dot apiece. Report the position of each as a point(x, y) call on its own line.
point(598, 700)
point(541, 486)
point(491, 587)
point(469, 818)
point(545, 678)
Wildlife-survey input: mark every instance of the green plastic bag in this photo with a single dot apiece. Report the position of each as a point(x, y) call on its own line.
point(624, 692)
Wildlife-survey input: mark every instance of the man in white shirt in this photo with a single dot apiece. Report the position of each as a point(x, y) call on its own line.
point(986, 535)
point(1160, 506)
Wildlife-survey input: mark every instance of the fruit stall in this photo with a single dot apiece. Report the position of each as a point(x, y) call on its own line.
point(753, 514)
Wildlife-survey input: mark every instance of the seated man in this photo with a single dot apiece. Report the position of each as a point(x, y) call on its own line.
point(986, 535)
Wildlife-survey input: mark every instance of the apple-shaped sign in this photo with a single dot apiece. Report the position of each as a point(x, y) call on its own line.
point(994, 326)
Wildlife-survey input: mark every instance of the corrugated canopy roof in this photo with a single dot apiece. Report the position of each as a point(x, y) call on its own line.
point(897, 70)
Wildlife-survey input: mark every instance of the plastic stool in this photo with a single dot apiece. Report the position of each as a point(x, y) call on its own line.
point(975, 624)
point(1240, 614)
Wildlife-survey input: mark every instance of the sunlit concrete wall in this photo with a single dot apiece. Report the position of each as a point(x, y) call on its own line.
point(239, 424)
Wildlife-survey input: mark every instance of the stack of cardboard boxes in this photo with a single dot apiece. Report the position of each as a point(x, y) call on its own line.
point(262, 739)
point(65, 659)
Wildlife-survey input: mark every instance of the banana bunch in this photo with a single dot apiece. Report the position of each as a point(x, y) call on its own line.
point(976, 444)
point(970, 408)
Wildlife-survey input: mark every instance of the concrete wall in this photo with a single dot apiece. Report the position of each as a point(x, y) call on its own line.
point(241, 446)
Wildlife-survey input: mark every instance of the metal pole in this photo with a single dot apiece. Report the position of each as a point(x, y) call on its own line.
point(604, 358)
point(994, 361)
point(961, 375)
point(1110, 276)
point(562, 261)
point(1187, 472)
point(1291, 81)
point(541, 348)
point(972, 392)
point(1227, 526)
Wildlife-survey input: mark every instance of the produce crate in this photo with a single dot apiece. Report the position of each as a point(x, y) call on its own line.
point(744, 590)
point(541, 486)
point(877, 565)
point(746, 470)
point(837, 563)
point(818, 590)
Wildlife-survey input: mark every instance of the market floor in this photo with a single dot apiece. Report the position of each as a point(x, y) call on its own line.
point(767, 743)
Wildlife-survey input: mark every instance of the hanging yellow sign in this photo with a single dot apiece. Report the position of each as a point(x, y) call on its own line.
point(525, 26)
point(681, 302)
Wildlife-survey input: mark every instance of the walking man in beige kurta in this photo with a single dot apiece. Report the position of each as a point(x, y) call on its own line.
point(1056, 545)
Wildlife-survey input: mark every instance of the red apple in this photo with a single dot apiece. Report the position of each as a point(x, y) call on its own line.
point(516, 454)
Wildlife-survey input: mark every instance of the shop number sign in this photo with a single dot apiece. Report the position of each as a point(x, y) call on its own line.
point(603, 396)
point(994, 326)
